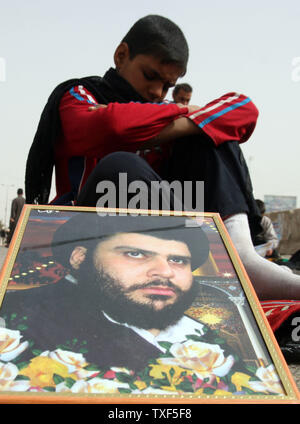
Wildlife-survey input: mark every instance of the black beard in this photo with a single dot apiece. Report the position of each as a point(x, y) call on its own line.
point(114, 301)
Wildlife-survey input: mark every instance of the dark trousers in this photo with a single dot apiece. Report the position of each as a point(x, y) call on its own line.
point(227, 184)
point(109, 169)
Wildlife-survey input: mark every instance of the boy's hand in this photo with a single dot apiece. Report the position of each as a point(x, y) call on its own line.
point(191, 108)
point(96, 106)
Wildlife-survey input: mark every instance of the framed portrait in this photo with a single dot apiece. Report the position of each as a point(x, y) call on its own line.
point(132, 306)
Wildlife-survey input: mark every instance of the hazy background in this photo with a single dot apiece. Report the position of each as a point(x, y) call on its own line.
point(249, 47)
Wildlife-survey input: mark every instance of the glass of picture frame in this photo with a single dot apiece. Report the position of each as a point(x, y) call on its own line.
point(132, 306)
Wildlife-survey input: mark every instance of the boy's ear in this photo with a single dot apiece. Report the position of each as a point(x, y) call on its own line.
point(121, 55)
point(78, 256)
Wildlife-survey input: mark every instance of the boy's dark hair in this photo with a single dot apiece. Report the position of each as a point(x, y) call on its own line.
point(184, 86)
point(158, 36)
point(20, 191)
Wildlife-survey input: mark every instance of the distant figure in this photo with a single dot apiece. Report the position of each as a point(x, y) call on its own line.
point(268, 236)
point(3, 236)
point(182, 93)
point(16, 208)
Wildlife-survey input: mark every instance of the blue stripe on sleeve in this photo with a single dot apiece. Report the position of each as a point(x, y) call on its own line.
point(223, 112)
point(78, 97)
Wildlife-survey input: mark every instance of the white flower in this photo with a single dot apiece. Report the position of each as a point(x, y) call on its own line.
point(72, 360)
point(10, 346)
point(203, 358)
point(97, 385)
point(8, 373)
point(269, 381)
point(37, 390)
point(75, 362)
point(62, 387)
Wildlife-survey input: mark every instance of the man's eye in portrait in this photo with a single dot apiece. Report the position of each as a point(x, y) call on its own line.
point(135, 254)
point(180, 261)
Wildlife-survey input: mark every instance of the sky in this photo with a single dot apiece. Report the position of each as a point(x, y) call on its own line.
point(242, 46)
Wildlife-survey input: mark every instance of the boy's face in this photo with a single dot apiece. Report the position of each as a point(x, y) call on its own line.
point(146, 74)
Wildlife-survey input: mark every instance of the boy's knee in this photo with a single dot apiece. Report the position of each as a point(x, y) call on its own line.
point(121, 161)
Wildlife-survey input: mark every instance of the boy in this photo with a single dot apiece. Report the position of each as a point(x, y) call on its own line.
point(93, 127)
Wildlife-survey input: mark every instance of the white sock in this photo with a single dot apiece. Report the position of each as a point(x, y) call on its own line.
point(269, 280)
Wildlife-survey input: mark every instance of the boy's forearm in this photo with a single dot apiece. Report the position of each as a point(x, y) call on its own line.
point(232, 117)
point(181, 127)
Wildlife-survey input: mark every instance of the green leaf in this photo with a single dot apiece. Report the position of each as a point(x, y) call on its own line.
point(69, 382)
point(185, 386)
point(83, 350)
point(162, 355)
point(49, 389)
point(172, 372)
point(22, 327)
point(22, 377)
point(231, 388)
point(63, 347)
point(208, 391)
point(22, 365)
point(36, 352)
point(132, 386)
point(92, 367)
point(165, 345)
point(160, 382)
point(153, 361)
point(193, 337)
point(144, 376)
point(251, 368)
point(122, 390)
point(58, 379)
point(123, 377)
point(219, 340)
point(194, 378)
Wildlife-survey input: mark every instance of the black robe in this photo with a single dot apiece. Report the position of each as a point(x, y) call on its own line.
point(61, 316)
